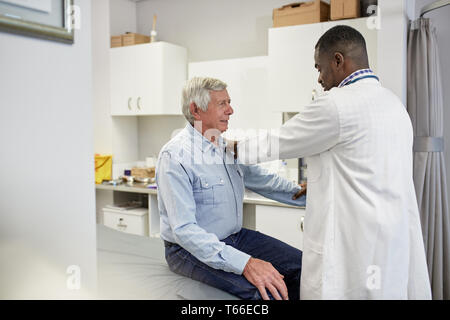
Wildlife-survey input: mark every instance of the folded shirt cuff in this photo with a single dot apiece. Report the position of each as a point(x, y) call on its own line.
point(238, 261)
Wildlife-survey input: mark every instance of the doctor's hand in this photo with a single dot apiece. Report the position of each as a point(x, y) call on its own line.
point(231, 146)
point(301, 192)
point(263, 275)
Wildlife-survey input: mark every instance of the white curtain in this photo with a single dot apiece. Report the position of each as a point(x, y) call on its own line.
point(425, 106)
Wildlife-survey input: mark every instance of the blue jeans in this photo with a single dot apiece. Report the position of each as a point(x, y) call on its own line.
point(285, 258)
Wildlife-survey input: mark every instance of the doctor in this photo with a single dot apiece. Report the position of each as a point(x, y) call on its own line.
point(362, 237)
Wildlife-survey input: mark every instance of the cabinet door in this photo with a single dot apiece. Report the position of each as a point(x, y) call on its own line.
point(123, 99)
point(292, 76)
point(160, 74)
point(368, 32)
point(147, 78)
point(173, 77)
point(285, 224)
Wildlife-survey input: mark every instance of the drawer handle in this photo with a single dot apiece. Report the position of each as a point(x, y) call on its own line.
point(139, 103)
point(129, 103)
point(121, 225)
point(302, 222)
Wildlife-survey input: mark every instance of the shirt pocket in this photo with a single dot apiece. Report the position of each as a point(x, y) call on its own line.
point(211, 190)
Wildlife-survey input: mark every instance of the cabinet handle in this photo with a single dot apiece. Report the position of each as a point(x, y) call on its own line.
point(314, 92)
point(139, 103)
point(121, 225)
point(129, 103)
point(302, 222)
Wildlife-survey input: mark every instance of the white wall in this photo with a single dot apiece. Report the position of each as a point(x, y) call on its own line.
point(46, 165)
point(155, 132)
point(103, 143)
point(211, 30)
point(440, 19)
point(123, 16)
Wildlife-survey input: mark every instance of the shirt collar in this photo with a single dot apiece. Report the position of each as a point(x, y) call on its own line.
point(201, 142)
point(358, 75)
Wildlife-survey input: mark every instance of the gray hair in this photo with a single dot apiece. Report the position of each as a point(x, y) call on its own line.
point(197, 90)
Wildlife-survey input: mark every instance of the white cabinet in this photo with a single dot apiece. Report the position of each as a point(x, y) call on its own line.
point(147, 79)
point(285, 224)
point(247, 81)
point(292, 75)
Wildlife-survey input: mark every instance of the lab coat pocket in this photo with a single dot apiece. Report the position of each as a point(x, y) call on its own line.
point(312, 262)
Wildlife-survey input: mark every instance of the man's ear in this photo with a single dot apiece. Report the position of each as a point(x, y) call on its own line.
point(338, 60)
point(194, 110)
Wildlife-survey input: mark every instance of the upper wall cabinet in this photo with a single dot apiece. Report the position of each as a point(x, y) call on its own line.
point(147, 79)
point(292, 75)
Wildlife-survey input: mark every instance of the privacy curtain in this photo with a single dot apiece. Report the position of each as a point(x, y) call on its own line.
point(425, 107)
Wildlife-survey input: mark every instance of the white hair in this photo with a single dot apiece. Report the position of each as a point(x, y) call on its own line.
point(197, 90)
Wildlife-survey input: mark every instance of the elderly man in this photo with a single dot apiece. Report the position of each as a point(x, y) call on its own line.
point(200, 198)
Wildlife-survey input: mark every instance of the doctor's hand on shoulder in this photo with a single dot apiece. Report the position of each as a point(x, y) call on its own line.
point(263, 275)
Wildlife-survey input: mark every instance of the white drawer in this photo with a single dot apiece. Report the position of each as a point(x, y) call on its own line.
point(285, 224)
point(126, 222)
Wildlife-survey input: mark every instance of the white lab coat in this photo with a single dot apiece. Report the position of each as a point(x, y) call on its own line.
point(362, 234)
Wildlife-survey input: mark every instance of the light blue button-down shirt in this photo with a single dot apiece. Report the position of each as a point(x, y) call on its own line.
point(200, 197)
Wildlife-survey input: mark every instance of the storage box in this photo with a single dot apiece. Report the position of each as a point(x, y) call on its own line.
point(148, 172)
point(345, 9)
point(133, 221)
point(130, 39)
point(301, 13)
point(116, 41)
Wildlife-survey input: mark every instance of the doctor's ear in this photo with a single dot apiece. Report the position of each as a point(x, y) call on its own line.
point(338, 59)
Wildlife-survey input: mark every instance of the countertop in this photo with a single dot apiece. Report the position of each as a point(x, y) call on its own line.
point(249, 198)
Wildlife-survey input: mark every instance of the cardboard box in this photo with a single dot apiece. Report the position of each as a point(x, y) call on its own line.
point(130, 39)
point(116, 41)
point(143, 172)
point(301, 13)
point(345, 9)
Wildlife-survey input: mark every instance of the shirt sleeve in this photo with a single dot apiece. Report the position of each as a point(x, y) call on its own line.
point(313, 130)
point(175, 189)
point(271, 185)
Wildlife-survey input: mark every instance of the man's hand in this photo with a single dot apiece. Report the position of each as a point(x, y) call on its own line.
point(263, 275)
point(301, 192)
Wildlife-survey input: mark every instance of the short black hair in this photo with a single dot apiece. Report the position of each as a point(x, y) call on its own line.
point(342, 38)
